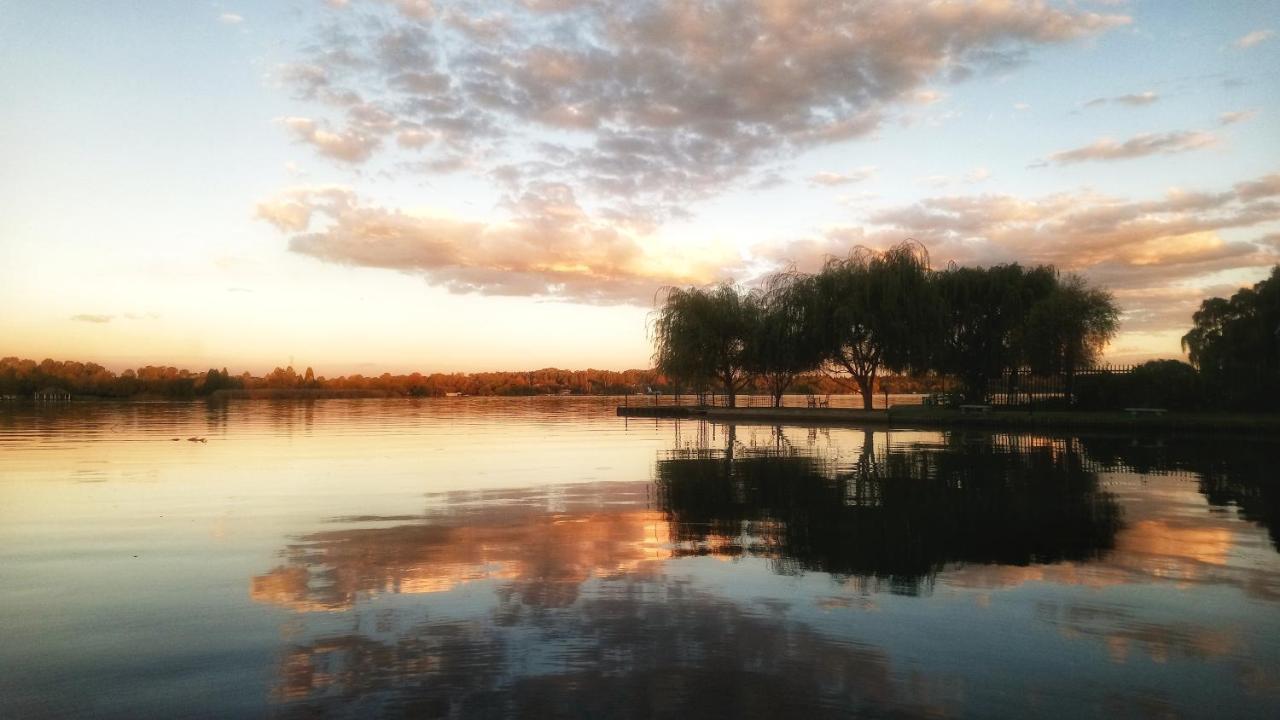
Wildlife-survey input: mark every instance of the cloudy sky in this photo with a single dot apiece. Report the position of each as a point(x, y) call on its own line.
point(390, 185)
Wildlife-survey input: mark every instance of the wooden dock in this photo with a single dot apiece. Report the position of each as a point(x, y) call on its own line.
point(758, 414)
point(914, 416)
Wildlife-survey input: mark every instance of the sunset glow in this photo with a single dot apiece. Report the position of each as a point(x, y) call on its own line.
point(370, 186)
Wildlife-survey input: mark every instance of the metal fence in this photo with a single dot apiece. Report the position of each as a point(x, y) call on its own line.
point(1015, 388)
point(796, 400)
point(1022, 387)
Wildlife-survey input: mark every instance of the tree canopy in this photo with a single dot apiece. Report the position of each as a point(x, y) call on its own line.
point(984, 325)
point(782, 346)
point(872, 312)
point(1235, 342)
point(703, 336)
point(1068, 328)
point(875, 311)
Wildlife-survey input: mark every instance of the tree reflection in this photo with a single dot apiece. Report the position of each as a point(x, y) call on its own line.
point(899, 515)
point(1235, 472)
point(594, 600)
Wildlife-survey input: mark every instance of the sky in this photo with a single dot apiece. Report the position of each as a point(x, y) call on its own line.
point(395, 185)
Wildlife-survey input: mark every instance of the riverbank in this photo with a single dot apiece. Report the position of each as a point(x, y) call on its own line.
point(294, 393)
point(920, 417)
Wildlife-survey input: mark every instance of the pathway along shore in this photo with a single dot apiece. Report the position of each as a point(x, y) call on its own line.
point(910, 416)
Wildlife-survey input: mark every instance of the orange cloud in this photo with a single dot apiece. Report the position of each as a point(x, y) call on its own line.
point(1136, 146)
point(550, 246)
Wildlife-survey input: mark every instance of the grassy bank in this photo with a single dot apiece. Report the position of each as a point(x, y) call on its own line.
point(915, 416)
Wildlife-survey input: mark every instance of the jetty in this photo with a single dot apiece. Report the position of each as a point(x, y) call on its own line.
point(916, 416)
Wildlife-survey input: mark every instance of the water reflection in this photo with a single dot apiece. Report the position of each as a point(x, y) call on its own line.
point(1232, 472)
point(543, 545)
point(637, 652)
point(598, 599)
point(540, 556)
point(899, 514)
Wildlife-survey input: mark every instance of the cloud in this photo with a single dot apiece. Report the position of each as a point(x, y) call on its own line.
point(1132, 99)
point(1254, 38)
point(230, 19)
point(101, 318)
point(927, 96)
point(350, 145)
point(1157, 255)
point(291, 210)
point(547, 246)
point(832, 179)
point(656, 103)
point(1264, 187)
point(1137, 146)
point(1239, 116)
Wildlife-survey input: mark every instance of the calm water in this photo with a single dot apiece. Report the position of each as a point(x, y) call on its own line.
point(486, 557)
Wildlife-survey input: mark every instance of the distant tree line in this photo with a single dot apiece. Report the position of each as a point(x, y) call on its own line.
point(876, 312)
point(22, 378)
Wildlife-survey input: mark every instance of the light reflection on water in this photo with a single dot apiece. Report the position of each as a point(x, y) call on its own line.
point(491, 557)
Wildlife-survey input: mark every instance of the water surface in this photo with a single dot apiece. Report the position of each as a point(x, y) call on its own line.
point(491, 557)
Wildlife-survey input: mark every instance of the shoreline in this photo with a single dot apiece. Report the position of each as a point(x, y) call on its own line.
point(915, 417)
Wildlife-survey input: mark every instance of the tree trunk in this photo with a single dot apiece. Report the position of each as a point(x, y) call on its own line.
point(865, 383)
point(778, 385)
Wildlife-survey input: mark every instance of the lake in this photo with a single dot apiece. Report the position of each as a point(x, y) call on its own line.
point(486, 557)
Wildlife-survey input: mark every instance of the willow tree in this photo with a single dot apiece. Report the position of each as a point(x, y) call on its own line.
point(702, 336)
point(985, 313)
point(1069, 328)
point(877, 313)
point(783, 343)
point(1235, 342)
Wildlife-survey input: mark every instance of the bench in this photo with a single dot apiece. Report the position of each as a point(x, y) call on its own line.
point(966, 409)
point(936, 400)
point(1135, 412)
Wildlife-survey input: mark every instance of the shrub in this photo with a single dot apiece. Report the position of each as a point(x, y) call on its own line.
point(1159, 383)
point(1166, 384)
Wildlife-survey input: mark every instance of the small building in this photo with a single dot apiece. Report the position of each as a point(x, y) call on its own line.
point(52, 394)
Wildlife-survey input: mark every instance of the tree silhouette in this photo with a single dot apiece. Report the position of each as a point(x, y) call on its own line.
point(1068, 329)
point(985, 314)
point(875, 311)
point(1235, 343)
point(782, 345)
point(701, 336)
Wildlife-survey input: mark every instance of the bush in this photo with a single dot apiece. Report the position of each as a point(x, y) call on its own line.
point(1159, 383)
point(1165, 384)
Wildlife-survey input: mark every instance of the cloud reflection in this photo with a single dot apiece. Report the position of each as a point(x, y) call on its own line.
point(606, 598)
